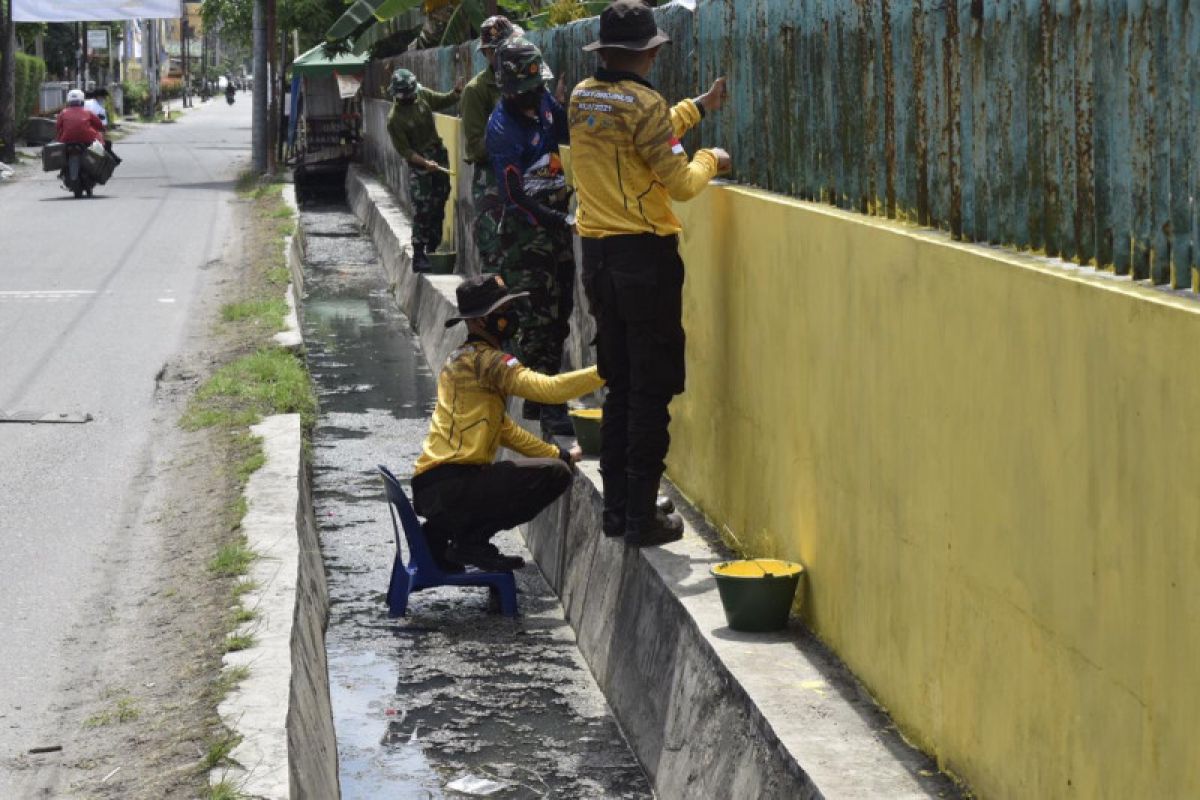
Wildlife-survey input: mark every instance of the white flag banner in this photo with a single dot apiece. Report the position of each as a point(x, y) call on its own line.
point(93, 10)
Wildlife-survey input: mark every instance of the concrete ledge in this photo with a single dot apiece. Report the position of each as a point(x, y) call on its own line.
point(281, 710)
point(710, 712)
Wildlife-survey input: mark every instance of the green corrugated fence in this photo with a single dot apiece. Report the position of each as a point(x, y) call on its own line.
point(1066, 127)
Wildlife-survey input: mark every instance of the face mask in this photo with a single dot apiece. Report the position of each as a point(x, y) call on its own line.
point(503, 326)
point(529, 101)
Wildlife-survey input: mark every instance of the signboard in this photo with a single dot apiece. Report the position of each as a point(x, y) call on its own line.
point(92, 10)
point(97, 41)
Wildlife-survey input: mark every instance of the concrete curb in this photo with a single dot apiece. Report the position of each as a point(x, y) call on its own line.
point(281, 710)
point(710, 712)
point(290, 338)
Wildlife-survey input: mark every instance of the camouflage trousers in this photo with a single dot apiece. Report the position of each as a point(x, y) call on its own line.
point(541, 262)
point(489, 219)
point(429, 192)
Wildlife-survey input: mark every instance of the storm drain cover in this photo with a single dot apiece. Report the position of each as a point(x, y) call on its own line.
point(44, 416)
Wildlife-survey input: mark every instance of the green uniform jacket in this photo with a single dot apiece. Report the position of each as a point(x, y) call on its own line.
point(411, 126)
point(479, 99)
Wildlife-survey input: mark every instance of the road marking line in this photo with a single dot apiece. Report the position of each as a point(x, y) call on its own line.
point(166, 299)
point(46, 292)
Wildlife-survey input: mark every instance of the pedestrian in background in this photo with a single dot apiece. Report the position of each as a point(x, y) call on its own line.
point(629, 166)
point(523, 137)
point(413, 133)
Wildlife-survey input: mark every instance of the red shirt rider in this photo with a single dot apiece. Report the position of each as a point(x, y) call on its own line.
point(77, 125)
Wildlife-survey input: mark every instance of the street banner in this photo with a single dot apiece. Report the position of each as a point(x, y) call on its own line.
point(93, 10)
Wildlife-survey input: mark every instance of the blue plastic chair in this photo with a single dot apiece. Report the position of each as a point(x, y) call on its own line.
point(422, 572)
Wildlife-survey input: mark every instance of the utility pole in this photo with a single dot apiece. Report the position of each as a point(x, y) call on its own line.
point(152, 69)
point(272, 83)
point(8, 88)
point(259, 130)
point(187, 66)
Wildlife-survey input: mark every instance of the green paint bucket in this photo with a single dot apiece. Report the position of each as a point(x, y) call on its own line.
point(587, 429)
point(757, 593)
point(442, 262)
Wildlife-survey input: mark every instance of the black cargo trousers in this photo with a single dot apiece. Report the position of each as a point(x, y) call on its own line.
point(634, 287)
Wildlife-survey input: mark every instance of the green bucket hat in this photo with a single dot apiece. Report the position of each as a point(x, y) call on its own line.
point(518, 67)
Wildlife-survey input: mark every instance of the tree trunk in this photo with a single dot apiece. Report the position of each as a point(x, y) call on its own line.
point(8, 88)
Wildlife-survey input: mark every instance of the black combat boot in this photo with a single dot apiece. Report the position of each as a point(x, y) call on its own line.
point(646, 525)
point(615, 494)
point(420, 261)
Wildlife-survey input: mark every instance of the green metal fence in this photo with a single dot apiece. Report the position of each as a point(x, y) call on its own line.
point(1068, 127)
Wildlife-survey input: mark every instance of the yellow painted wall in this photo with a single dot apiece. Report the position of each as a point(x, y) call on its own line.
point(448, 129)
point(988, 469)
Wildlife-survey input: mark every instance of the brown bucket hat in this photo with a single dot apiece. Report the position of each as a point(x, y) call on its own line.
point(629, 25)
point(480, 296)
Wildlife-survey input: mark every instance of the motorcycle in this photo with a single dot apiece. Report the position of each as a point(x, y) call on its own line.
point(75, 175)
point(79, 167)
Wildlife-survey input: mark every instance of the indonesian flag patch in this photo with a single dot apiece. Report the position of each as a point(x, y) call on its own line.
point(676, 147)
point(512, 362)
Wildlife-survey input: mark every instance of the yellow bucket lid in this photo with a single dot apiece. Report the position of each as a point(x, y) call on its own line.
point(587, 413)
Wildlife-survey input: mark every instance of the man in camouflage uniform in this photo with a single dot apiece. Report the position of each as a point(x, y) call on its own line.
point(411, 128)
point(479, 98)
point(523, 136)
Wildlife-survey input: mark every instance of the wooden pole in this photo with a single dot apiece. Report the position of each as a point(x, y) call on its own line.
point(8, 87)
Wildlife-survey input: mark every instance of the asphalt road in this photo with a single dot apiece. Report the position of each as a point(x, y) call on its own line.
point(95, 297)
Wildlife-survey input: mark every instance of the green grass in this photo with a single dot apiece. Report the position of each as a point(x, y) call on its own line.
point(219, 749)
point(243, 615)
point(266, 312)
point(223, 791)
point(125, 710)
point(228, 680)
point(280, 276)
point(270, 381)
point(232, 560)
point(283, 212)
point(238, 641)
point(241, 587)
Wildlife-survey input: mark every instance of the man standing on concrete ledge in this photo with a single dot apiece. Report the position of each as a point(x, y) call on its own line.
point(629, 165)
point(465, 498)
point(523, 136)
point(479, 99)
point(414, 135)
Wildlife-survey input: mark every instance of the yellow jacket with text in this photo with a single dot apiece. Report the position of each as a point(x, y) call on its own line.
point(470, 423)
point(627, 160)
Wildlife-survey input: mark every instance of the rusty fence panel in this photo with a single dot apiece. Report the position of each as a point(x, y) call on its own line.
point(1066, 127)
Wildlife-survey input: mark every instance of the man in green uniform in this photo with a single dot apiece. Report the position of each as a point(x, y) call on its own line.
point(410, 125)
point(478, 99)
point(523, 137)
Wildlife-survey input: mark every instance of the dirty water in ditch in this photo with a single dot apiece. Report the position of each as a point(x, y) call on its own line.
point(451, 692)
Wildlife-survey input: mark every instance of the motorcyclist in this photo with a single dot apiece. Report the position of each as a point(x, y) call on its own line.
point(75, 124)
point(230, 91)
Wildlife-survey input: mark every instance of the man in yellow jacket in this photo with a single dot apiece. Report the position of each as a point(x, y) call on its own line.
point(629, 166)
point(465, 495)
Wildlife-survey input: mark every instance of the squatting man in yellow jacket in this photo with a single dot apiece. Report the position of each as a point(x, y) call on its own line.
point(465, 495)
point(629, 166)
